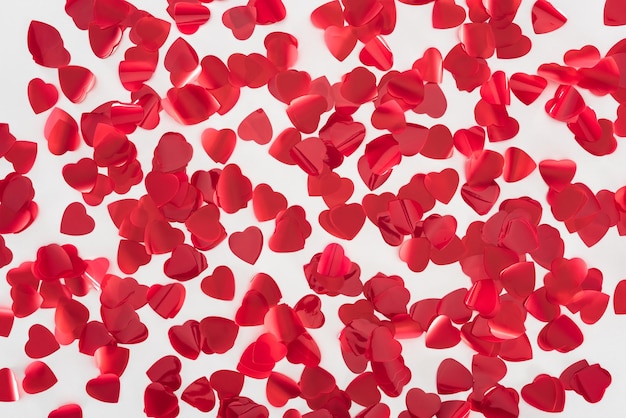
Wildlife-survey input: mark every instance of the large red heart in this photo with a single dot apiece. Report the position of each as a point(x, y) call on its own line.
point(166, 300)
point(545, 393)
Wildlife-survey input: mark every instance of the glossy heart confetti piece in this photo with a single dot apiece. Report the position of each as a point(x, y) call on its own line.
point(38, 378)
point(41, 342)
point(67, 411)
point(220, 284)
point(61, 132)
point(614, 15)
point(517, 165)
point(76, 221)
point(41, 95)
point(189, 16)
point(166, 300)
point(159, 400)
point(376, 53)
point(105, 388)
point(46, 45)
point(481, 200)
point(112, 359)
point(166, 371)
point(9, 391)
point(478, 39)
point(527, 88)
point(545, 393)
point(185, 339)
point(241, 21)
point(76, 82)
point(421, 404)
point(22, 156)
point(546, 18)
point(447, 14)
point(256, 127)
point(227, 383)
point(234, 190)
point(591, 382)
point(442, 334)
point(200, 395)
point(280, 389)
point(247, 244)
point(190, 104)
point(453, 377)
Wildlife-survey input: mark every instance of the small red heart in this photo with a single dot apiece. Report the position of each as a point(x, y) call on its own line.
point(546, 18)
point(105, 388)
point(247, 245)
point(280, 389)
point(81, 175)
point(343, 221)
point(166, 300)
point(200, 395)
point(218, 334)
point(112, 359)
point(166, 371)
point(219, 144)
point(253, 308)
point(161, 187)
point(220, 284)
point(442, 334)
point(266, 203)
point(376, 53)
point(481, 199)
point(76, 221)
point(340, 41)
point(38, 378)
point(453, 377)
point(422, 404)
point(241, 20)
point(383, 347)
point(256, 127)
point(442, 185)
point(447, 14)
point(305, 112)
point(185, 339)
point(22, 155)
point(76, 82)
point(61, 132)
point(290, 84)
point(545, 393)
point(587, 56)
point(430, 66)
point(46, 45)
point(439, 143)
point(518, 49)
point(41, 342)
point(41, 95)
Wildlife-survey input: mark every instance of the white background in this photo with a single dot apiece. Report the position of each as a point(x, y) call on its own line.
point(541, 137)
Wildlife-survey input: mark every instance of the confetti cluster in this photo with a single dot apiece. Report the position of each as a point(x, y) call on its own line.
point(511, 254)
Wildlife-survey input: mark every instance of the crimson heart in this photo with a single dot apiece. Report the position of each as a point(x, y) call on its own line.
point(105, 388)
point(76, 221)
point(247, 245)
point(41, 342)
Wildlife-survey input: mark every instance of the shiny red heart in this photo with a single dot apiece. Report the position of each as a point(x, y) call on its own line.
point(247, 245)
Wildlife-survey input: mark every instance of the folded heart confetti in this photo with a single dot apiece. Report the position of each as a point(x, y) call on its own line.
point(359, 208)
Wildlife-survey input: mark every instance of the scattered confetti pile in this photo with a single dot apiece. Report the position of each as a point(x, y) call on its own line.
point(345, 143)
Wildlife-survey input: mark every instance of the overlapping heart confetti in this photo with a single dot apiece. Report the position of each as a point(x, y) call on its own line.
point(509, 251)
